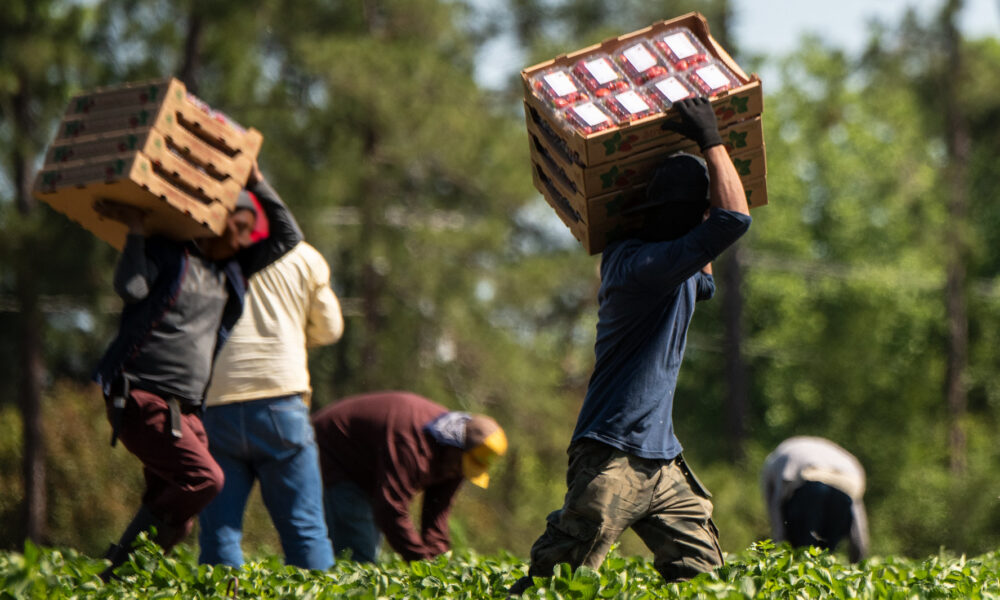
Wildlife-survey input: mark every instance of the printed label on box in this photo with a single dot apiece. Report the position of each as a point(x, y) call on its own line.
point(680, 45)
point(640, 58)
point(602, 70)
point(713, 76)
point(673, 89)
point(560, 83)
point(590, 114)
point(632, 102)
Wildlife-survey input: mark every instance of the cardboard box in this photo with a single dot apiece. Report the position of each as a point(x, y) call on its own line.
point(175, 112)
point(72, 188)
point(637, 167)
point(149, 141)
point(152, 145)
point(741, 103)
point(600, 220)
point(592, 180)
point(750, 164)
point(145, 94)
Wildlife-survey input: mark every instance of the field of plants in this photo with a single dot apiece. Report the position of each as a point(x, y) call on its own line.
point(763, 571)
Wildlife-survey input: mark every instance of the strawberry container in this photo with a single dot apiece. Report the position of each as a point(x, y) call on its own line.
point(558, 87)
point(665, 91)
point(630, 105)
point(587, 118)
point(682, 49)
point(600, 75)
point(641, 63)
point(711, 78)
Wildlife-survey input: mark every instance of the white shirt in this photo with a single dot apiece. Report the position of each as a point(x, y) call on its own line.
point(289, 307)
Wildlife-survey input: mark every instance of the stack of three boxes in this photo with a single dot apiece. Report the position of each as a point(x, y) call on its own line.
point(599, 119)
point(151, 145)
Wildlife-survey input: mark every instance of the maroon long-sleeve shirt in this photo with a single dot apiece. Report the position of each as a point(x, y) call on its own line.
point(378, 442)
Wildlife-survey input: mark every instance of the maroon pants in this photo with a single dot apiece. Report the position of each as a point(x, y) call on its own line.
point(181, 475)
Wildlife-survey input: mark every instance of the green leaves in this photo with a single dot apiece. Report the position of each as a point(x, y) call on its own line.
point(763, 571)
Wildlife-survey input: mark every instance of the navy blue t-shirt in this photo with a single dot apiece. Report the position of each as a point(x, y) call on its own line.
point(647, 297)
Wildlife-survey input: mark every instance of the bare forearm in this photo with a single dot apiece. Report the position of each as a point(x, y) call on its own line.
point(726, 188)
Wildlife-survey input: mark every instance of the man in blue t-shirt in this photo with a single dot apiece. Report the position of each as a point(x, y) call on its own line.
point(625, 464)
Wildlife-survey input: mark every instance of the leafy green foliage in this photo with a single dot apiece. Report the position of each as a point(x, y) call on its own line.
point(763, 571)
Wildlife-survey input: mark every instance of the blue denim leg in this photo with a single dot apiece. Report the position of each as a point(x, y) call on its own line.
point(351, 521)
point(272, 440)
point(221, 522)
point(291, 484)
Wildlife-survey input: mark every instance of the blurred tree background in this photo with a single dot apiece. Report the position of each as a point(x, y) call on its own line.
point(862, 306)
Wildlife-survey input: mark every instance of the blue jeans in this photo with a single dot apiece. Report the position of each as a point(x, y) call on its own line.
point(271, 440)
point(351, 521)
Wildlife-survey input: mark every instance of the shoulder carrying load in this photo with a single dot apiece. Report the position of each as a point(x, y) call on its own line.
point(596, 121)
point(152, 145)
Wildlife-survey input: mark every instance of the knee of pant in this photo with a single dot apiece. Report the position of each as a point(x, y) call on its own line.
point(691, 564)
point(568, 538)
point(208, 487)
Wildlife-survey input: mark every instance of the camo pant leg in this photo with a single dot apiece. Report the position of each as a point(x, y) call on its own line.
point(679, 528)
point(605, 495)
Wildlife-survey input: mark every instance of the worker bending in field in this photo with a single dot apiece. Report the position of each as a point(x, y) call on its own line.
point(181, 301)
point(379, 450)
point(625, 463)
point(814, 490)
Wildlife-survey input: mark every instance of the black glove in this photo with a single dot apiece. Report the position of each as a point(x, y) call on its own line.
point(697, 122)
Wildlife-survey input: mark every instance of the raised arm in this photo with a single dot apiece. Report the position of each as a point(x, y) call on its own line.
point(284, 231)
point(698, 123)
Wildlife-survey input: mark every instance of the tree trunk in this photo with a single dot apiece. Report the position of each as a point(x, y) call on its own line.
point(731, 266)
point(30, 360)
point(737, 381)
point(958, 145)
point(191, 62)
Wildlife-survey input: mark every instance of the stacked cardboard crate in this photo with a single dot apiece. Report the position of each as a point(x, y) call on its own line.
point(151, 145)
point(592, 180)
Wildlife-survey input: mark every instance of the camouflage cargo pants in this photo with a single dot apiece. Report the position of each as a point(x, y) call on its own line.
point(609, 491)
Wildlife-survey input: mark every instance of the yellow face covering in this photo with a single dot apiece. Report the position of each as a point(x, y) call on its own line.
point(476, 461)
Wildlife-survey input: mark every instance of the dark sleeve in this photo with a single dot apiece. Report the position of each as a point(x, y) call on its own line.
point(438, 500)
point(665, 265)
point(136, 272)
point(391, 506)
point(283, 235)
point(706, 286)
